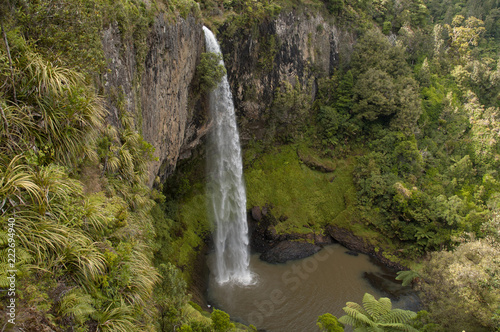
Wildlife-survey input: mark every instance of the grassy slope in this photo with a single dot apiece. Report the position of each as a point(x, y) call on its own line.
point(309, 200)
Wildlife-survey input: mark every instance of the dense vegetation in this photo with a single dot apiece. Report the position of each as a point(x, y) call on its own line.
point(417, 103)
point(408, 128)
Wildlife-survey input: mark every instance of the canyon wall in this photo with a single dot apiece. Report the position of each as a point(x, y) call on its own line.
point(293, 47)
point(158, 92)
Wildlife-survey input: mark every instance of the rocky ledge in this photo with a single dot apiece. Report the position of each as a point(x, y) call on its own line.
point(357, 244)
point(289, 250)
point(279, 248)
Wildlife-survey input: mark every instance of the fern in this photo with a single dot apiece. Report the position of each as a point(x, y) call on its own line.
point(407, 277)
point(377, 316)
point(397, 316)
point(376, 308)
point(76, 304)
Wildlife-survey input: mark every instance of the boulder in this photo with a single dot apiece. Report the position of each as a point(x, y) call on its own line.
point(289, 250)
point(257, 213)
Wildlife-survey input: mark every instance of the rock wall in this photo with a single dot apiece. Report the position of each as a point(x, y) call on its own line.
point(169, 121)
point(306, 47)
point(159, 99)
point(292, 47)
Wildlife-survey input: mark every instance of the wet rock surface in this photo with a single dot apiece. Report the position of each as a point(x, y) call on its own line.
point(279, 248)
point(158, 95)
point(289, 250)
point(357, 244)
point(264, 238)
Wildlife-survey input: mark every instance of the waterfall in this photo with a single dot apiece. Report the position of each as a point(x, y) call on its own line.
point(226, 190)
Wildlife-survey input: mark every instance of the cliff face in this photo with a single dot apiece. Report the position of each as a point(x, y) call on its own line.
point(158, 94)
point(168, 119)
point(289, 48)
point(293, 47)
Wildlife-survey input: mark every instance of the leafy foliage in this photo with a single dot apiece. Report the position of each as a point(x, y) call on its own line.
point(461, 287)
point(210, 71)
point(329, 323)
point(291, 106)
point(221, 322)
point(377, 315)
point(407, 277)
point(92, 243)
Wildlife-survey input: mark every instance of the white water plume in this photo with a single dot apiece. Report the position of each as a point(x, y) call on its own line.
point(227, 197)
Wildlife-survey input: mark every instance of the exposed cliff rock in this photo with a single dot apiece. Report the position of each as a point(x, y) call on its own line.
point(159, 98)
point(358, 244)
point(289, 48)
point(168, 121)
point(293, 47)
point(118, 80)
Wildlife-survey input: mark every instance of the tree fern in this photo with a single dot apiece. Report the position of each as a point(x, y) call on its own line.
point(77, 305)
point(407, 277)
point(376, 308)
point(377, 315)
point(397, 316)
point(359, 317)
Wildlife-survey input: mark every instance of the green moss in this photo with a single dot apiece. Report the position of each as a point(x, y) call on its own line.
point(303, 199)
point(186, 217)
point(209, 71)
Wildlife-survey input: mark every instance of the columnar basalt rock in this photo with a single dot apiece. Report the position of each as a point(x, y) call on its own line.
point(159, 98)
point(304, 48)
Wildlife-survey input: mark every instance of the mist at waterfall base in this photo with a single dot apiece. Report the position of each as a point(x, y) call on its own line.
point(291, 296)
point(226, 190)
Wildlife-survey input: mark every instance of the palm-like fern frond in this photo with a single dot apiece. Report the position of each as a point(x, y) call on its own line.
point(407, 277)
point(397, 327)
point(397, 316)
point(360, 317)
point(76, 304)
point(376, 308)
point(377, 315)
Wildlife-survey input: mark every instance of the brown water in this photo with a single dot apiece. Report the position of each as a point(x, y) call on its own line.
point(291, 296)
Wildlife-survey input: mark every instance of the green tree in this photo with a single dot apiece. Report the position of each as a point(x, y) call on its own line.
point(374, 51)
point(221, 321)
point(375, 95)
point(383, 90)
point(464, 33)
point(170, 296)
point(461, 288)
point(290, 109)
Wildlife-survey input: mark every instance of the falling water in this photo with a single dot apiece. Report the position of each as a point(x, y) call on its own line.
point(227, 198)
